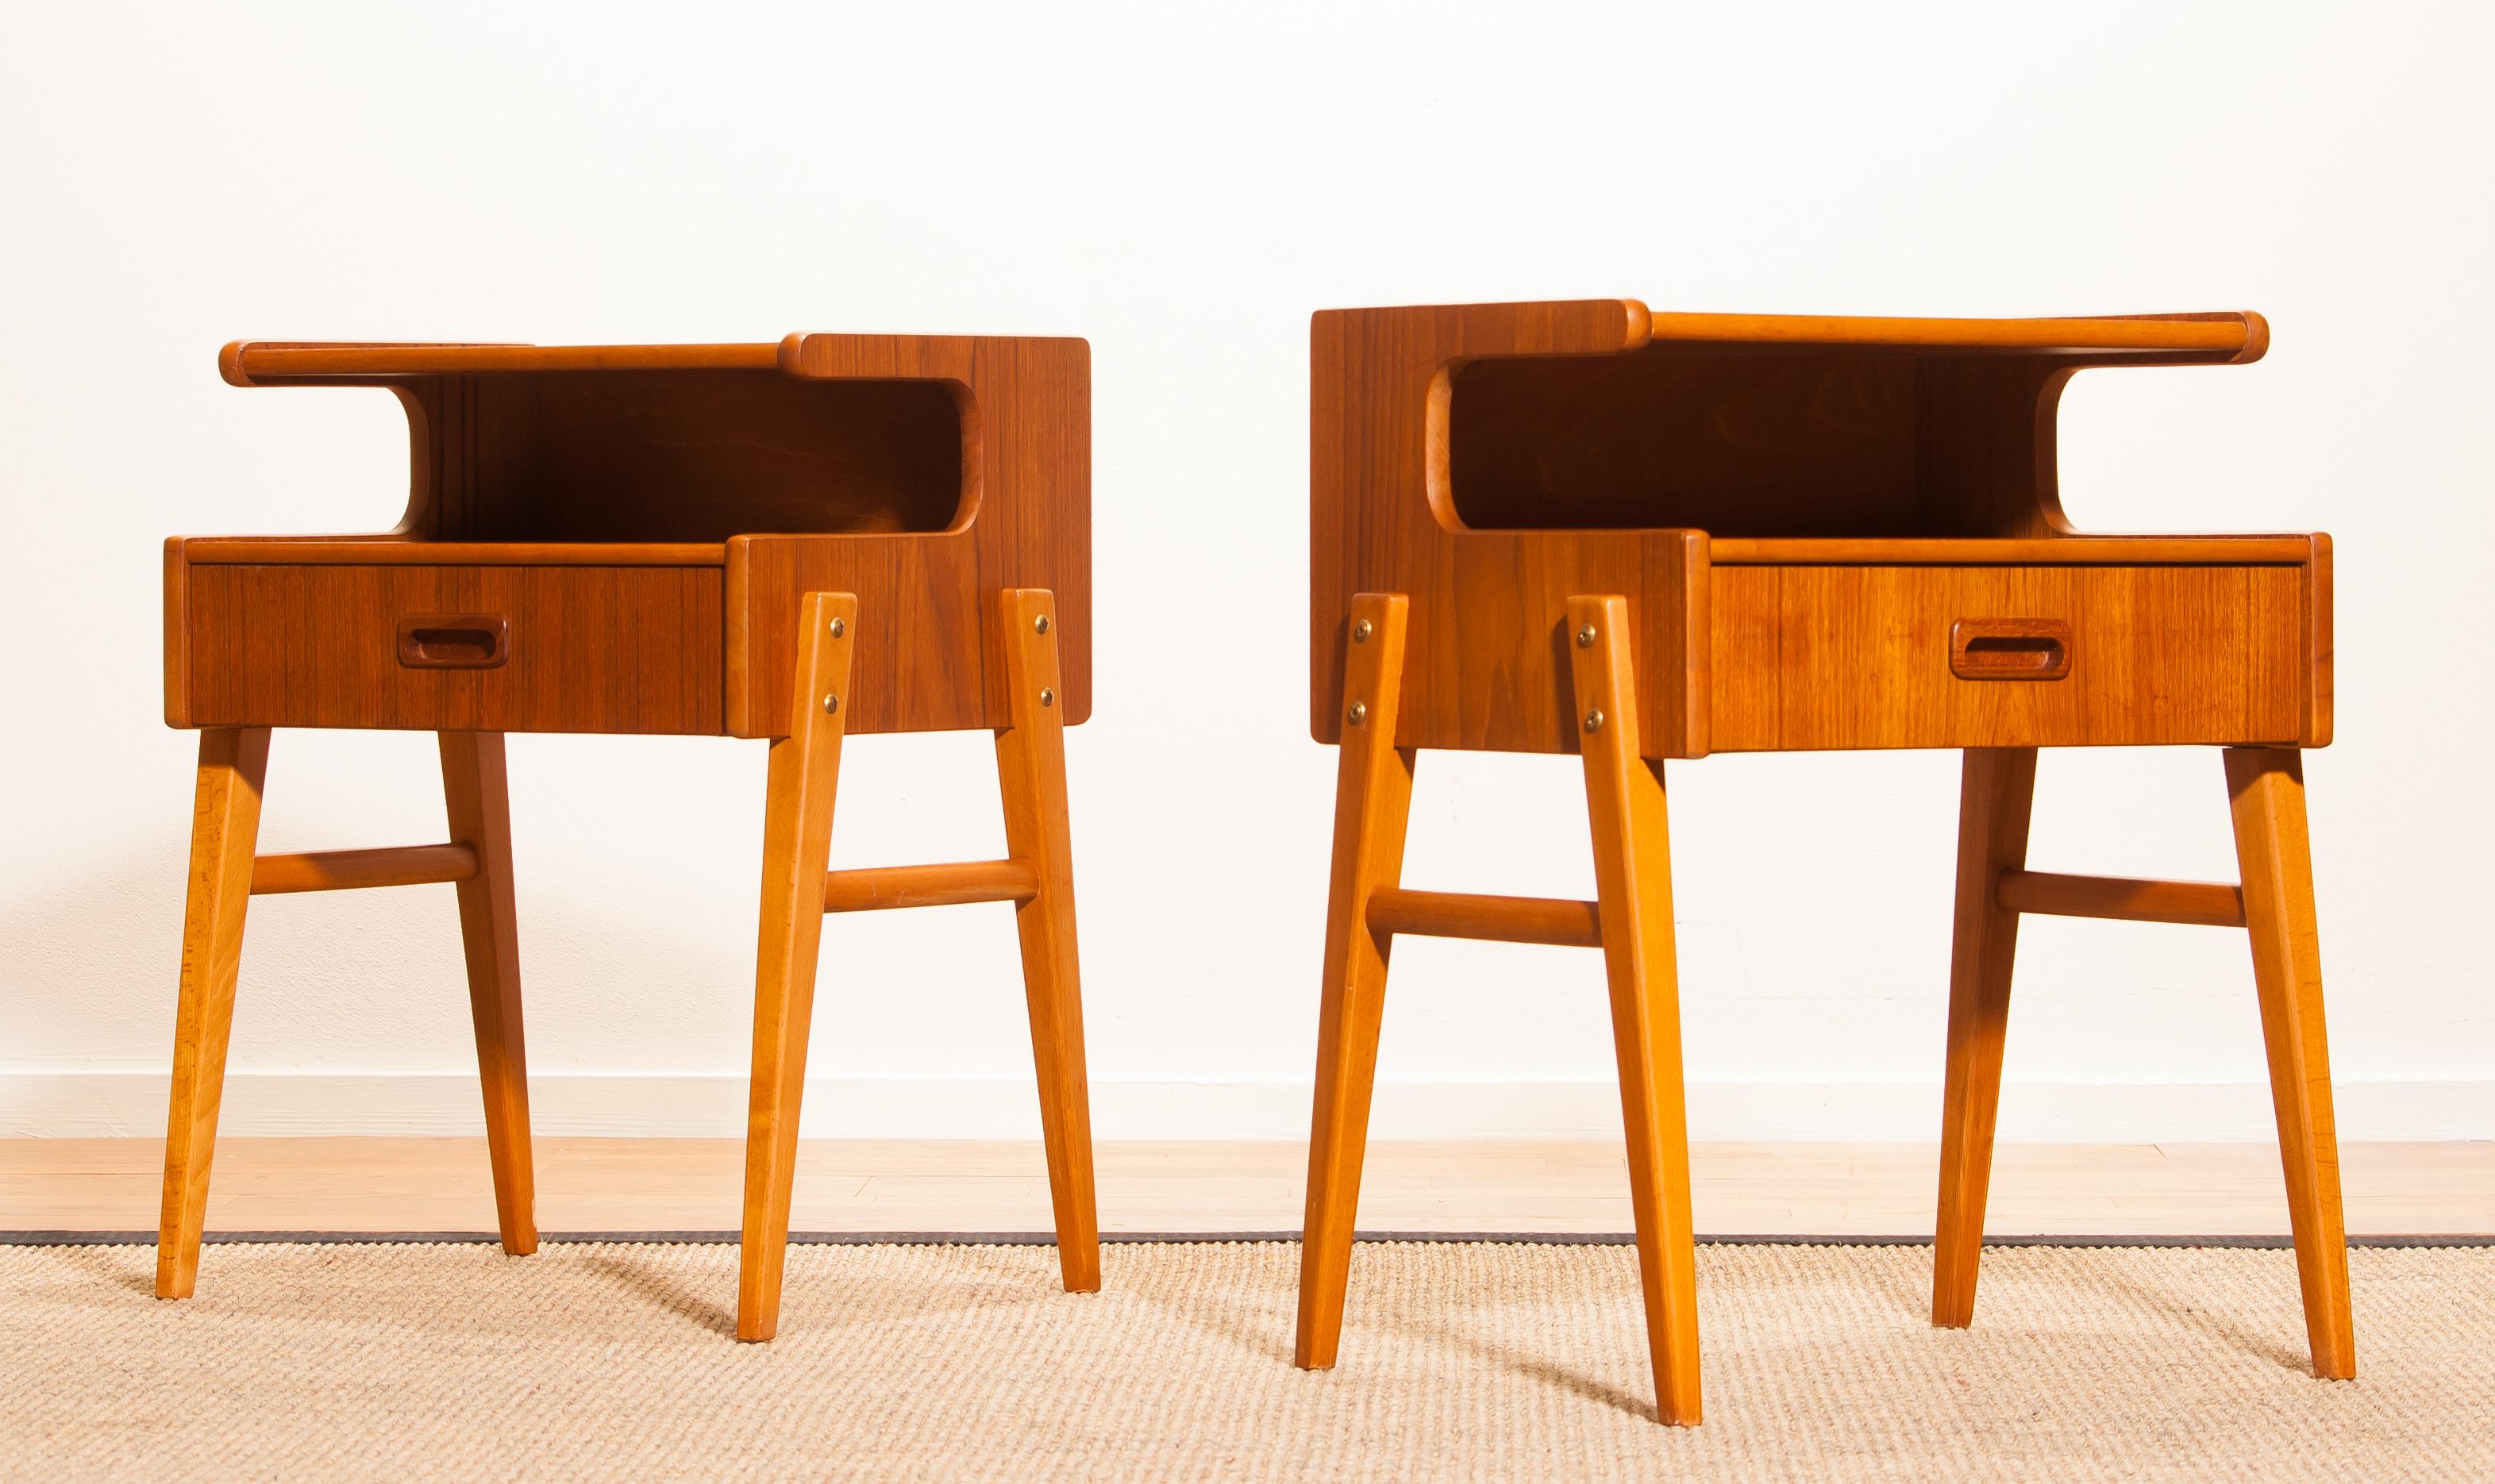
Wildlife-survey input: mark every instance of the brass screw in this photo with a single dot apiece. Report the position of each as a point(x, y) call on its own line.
point(1594, 719)
point(1360, 632)
point(1047, 697)
point(831, 704)
point(1359, 712)
point(1586, 637)
point(840, 627)
point(1040, 625)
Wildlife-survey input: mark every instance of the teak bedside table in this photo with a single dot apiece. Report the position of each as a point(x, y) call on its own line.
point(686, 539)
point(1584, 527)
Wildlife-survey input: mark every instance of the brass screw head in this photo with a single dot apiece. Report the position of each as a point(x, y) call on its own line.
point(1047, 697)
point(1040, 625)
point(840, 627)
point(1586, 637)
point(1360, 632)
point(1358, 713)
point(831, 704)
point(1594, 719)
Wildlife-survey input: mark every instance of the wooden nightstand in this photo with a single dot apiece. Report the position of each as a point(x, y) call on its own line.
point(833, 534)
point(1584, 527)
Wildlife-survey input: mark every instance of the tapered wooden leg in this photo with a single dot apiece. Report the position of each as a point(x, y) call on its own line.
point(1997, 795)
point(1031, 773)
point(796, 853)
point(225, 833)
point(475, 789)
point(1373, 804)
point(2267, 786)
point(1624, 798)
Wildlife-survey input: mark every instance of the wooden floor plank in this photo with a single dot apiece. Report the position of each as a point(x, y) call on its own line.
point(352, 1185)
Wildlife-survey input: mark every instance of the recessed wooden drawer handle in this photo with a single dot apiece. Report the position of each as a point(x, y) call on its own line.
point(2010, 649)
point(453, 641)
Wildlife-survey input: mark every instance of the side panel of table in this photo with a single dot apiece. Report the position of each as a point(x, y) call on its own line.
point(583, 649)
point(921, 661)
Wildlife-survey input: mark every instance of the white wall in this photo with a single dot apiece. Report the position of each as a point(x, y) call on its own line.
point(1183, 188)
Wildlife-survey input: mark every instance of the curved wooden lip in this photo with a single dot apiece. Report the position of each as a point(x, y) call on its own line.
point(401, 550)
point(2241, 334)
point(246, 362)
point(251, 362)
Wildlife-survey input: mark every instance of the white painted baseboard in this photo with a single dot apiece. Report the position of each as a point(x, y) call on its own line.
point(92, 1105)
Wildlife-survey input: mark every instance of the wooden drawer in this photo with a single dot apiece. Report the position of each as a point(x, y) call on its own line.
point(432, 646)
point(1826, 656)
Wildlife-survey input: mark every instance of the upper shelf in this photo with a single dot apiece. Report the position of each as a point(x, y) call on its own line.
point(1768, 426)
point(656, 443)
point(2232, 335)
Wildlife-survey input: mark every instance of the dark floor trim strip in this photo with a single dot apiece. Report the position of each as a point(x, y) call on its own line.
point(1047, 1239)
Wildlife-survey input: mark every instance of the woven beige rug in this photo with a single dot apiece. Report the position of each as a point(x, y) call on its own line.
point(1459, 1361)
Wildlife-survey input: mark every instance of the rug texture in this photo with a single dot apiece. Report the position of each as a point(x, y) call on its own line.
point(1459, 1361)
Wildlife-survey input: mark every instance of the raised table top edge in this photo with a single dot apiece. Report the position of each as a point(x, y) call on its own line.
point(391, 551)
point(2236, 331)
point(252, 362)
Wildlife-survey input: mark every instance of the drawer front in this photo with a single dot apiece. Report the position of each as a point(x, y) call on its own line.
point(494, 648)
point(1974, 657)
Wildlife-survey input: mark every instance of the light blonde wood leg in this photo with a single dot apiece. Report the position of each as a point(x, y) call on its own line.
point(1373, 802)
point(476, 791)
point(2267, 786)
point(225, 833)
point(1624, 798)
point(1031, 773)
point(796, 854)
point(1996, 796)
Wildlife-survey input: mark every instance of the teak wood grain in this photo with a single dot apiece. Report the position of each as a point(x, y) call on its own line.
point(673, 539)
point(2195, 903)
point(1996, 798)
point(1037, 878)
point(921, 473)
point(805, 769)
point(1373, 805)
point(1561, 923)
point(225, 831)
point(477, 797)
point(1491, 460)
point(590, 648)
point(1624, 801)
point(1031, 781)
point(885, 887)
point(1811, 532)
point(342, 870)
point(2265, 787)
point(1810, 657)
point(225, 872)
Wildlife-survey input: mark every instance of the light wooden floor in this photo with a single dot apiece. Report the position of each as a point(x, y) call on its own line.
point(693, 1184)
